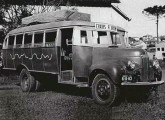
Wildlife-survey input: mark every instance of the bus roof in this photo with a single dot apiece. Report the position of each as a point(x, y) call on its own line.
point(52, 25)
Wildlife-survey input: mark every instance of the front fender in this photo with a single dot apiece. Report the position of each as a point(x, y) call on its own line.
point(113, 70)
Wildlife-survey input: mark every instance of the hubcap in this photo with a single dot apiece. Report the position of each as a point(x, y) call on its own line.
point(25, 81)
point(103, 89)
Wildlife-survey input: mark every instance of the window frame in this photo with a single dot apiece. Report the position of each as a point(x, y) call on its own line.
point(77, 36)
point(95, 38)
point(41, 44)
point(15, 42)
point(11, 46)
point(5, 43)
point(86, 37)
point(30, 44)
point(112, 39)
point(162, 48)
point(52, 44)
point(158, 49)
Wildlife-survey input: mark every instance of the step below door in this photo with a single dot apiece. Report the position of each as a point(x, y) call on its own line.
point(67, 76)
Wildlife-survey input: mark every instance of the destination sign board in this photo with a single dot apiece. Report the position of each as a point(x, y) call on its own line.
point(103, 26)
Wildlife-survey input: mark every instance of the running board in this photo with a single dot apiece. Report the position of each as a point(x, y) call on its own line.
point(82, 85)
point(77, 84)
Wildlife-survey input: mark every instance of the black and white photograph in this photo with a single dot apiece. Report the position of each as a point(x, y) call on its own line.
point(82, 59)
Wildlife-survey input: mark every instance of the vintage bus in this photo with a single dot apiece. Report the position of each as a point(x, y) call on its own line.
point(81, 53)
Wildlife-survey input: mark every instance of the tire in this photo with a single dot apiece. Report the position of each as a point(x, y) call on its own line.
point(27, 81)
point(39, 86)
point(104, 92)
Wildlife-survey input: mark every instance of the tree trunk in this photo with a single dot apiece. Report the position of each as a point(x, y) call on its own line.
point(157, 21)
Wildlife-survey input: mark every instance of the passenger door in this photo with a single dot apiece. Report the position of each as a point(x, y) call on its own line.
point(66, 55)
point(51, 52)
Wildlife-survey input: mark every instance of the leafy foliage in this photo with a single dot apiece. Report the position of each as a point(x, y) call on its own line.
point(155, 10)
point(11, 13)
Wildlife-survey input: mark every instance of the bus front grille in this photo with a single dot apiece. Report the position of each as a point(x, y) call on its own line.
point(145, 68)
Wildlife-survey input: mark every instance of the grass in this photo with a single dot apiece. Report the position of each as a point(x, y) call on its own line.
point(72, 104)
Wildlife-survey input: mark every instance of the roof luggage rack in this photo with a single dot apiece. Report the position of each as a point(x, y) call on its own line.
point(56, 16)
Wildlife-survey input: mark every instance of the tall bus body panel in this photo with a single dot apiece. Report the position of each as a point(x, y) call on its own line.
point(17, 58)
point(37, 57)
point(51, 59)
point(26, 58)
point(82, 55)
point(9, 61)
point(4, 51)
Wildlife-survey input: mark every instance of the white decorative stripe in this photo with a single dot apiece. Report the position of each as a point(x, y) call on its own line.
point(30, 58)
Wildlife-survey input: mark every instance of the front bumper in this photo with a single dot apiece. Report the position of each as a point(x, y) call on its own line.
point(125, 83)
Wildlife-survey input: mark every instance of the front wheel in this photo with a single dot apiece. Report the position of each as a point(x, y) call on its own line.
point(27, 81)
point(103, 90)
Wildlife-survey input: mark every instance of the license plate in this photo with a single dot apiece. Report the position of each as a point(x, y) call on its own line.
point(126, 78)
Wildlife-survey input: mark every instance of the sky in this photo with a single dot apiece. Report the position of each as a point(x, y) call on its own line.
point(140, 24)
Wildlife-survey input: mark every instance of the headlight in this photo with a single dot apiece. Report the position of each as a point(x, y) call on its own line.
point(156, 64)
point(131, 64)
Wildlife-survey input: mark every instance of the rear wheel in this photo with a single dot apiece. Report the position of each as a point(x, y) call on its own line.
point(39, 86)
point(103, 90)
point(27, 81)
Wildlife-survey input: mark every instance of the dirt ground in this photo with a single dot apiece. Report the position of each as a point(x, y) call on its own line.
point(73, 104)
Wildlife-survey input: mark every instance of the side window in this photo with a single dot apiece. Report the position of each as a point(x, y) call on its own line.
point(50, 37)
point(38, 39)
point(102, 37)
point(11, 41)
point(115, 38)
point(158, 49)
point(28, 40)
point(162, 49)
point(19, 39)
point(83, 39)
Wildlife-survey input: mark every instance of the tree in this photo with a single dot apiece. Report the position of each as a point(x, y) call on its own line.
point(156, 11)
point(11, 13)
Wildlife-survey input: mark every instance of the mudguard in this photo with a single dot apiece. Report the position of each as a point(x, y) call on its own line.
point(113, 70)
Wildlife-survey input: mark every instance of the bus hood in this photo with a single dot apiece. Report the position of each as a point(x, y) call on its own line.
point(120, 52)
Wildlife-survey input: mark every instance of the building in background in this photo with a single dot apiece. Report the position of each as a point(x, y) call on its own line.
point(160, 50)
point(111, 15)
point(162, 38)
point(149, 40)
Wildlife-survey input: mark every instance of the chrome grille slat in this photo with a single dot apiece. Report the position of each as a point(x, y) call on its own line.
point(145, 70)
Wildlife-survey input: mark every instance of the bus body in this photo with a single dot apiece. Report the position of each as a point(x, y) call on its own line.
point(80, 53)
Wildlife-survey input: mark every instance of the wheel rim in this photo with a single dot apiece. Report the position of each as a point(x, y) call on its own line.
point(25, 82)
point(103, 89)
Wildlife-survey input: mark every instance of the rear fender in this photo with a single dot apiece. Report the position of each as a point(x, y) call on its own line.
point(20, 67)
